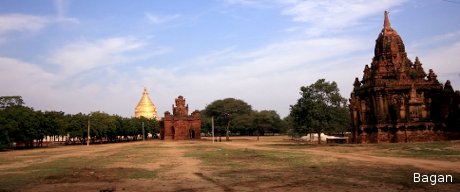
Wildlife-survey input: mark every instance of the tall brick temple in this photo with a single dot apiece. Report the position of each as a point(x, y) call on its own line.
point(396, 101)
point(180, 125)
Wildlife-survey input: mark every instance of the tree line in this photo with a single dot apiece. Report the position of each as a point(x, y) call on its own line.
point(320, 109)
point(237, 117)
point(22, 124)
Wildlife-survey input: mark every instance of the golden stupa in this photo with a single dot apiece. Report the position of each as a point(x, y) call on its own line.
point(146, 108)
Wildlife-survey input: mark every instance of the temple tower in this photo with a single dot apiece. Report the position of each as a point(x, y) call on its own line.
point(146, 108)
point(396, 101)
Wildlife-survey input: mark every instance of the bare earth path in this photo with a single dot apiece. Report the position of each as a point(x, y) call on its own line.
point(432, 165)
point(185, 172)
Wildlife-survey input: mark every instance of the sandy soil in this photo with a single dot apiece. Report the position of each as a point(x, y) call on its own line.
point(432, 165)
point(186, 174)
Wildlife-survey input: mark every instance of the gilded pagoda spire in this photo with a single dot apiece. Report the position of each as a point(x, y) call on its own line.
point(145, 107)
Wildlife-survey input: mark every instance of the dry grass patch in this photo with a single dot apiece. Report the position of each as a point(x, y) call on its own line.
point(242, 164)
point(99, 166)
point(440, 150)
point(276, 169)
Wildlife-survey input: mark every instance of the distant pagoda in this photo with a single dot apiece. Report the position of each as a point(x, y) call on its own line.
point(397, 101)
point(146, 108)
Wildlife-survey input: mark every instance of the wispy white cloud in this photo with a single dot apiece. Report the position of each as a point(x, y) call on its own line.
point(20, 22)
point(443, 60)
point(25, 79)
point(335, 14)
point(84, 55)
point(262, 3)
point(251, 3)
point(439, 53)
point(324, 16)
point(267, 77)
point(99, 88)
point(61, 9)
point(32, 23)
point(22, 73)
point(13, 23)
point(428, 42)
point(291, 29)
point(215, 57)
point(316, 55)
point(272, 74)
point(156, 19)
point(40, 90)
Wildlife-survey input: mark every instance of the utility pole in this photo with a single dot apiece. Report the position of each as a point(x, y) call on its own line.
point(143, 137)
point(212, 125)
point(87, 142)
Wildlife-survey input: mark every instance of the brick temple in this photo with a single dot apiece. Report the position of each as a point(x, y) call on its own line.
point(180, 125)
point(397, 101)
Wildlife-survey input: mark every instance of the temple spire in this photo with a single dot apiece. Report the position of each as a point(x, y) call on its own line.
point(389, 43)
point(386, 23)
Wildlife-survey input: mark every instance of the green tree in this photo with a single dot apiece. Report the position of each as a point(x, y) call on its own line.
point(226, 110)
point(243, 124)
point(153, 127)
point(342, 118)
point(320, 108)
point(206, 126)
point(52, 124)
point(10, 101)
point(8, 125)
point(28, 122)
point(77, 127)
point(121, 124)
point(290, 126)
point(150, 126)
point(118, 127)
point(267, 121)
point(7, 128)
point(132, 127)
point(102, 125)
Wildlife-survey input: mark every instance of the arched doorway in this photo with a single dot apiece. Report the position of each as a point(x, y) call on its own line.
point(393, 115)
point(192, 133)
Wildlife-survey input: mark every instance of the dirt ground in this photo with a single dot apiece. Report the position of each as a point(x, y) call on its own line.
point(174, 171)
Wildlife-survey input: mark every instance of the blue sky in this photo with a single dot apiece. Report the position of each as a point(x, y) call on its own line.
point(83, 56)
